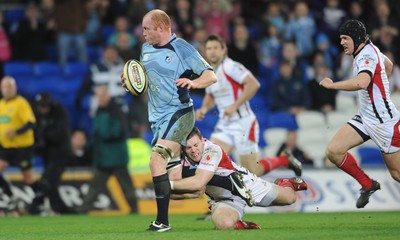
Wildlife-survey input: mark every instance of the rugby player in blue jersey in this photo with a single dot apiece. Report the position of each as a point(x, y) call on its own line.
point(173, 67)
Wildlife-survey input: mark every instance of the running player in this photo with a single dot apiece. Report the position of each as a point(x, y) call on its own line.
point(237, 127)
point(377, 118)
point(171, 65)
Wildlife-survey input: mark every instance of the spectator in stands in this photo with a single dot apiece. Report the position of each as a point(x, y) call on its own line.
point(125, 49)
point(32, 29)
point(81, 151)
point(332, 17)
point(52, 144)
point(216, 15)
point(386, 39)
point(122, 25)
point(137, 10)
point(184, 18)
point(328, 51)
point(356, 10)
point(382, 16)
point(289, 93)
point(199, 37)
point(270, 47)
point(71, 19)
point(110, 154)
point(5, 46)
point(273, 16)
point(290, 145)
point(114, 9)
point(16, 137)
point(93, 26)
point(242, 49)
point(107, 71)
point(323, 100)
point(301, 29)
point(298, 63)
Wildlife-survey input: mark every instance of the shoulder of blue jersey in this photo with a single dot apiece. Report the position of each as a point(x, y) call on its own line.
point(136, 79)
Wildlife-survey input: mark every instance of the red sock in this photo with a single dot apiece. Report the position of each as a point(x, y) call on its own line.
point(351, 167)
point(270, 164)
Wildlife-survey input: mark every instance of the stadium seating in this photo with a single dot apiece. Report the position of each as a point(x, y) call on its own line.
point(47, 69)
point(281, 120)
point(346, 102)
point(370, 156)
point(274, 138)
point(312, 137)
point(76, 69)
point(18, 69)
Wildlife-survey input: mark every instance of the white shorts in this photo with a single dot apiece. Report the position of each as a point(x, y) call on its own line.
point(241, 133)
point(385, 135)
point(262, 191)
point(235, 203)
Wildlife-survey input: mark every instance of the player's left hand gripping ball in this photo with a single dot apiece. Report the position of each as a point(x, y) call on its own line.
point(135, 77)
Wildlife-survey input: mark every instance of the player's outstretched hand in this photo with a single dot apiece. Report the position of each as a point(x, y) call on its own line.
point(326, 83)
point(200, 114)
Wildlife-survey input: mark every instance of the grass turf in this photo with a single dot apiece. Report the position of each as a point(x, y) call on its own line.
point(354, 225)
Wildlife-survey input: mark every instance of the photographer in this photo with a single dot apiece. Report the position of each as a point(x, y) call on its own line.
point(52, 136)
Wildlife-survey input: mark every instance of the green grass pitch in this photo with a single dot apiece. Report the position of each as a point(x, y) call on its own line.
point(282, 226)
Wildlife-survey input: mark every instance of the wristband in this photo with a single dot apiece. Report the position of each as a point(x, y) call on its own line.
point(171, 183)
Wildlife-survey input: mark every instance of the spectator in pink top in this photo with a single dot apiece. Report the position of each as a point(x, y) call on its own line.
point(216, 15)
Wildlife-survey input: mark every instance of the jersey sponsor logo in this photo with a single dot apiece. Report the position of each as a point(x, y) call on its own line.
point(208, 164)
point(145, 57)
point(168, 59)
point(208, 158)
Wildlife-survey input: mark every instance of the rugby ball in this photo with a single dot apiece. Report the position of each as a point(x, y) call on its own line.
point(135, 77)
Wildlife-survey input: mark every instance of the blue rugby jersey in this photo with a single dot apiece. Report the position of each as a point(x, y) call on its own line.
point(164, 65)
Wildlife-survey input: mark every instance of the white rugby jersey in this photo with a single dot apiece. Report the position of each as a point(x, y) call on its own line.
point(216, 160)
point(229, 87)
point(375, 104)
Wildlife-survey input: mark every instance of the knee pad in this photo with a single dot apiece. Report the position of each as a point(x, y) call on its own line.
point(165, 152)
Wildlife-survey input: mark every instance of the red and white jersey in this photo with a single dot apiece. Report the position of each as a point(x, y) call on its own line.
point(216, 160)
point(229, 87)
point(375, 104)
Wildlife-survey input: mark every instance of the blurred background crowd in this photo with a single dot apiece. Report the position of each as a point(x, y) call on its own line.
point(68, 47)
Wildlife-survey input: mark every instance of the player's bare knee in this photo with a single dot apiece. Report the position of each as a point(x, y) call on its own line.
point(224, 224)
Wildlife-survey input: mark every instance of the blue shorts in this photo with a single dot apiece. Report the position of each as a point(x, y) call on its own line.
point(175, 126)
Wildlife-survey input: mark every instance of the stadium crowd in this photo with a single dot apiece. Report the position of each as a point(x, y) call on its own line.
point(289, 45)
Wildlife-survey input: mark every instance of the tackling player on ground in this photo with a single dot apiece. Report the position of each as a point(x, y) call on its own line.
point(227, 209)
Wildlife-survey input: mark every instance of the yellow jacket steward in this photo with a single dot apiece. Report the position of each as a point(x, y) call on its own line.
point(14, 114)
